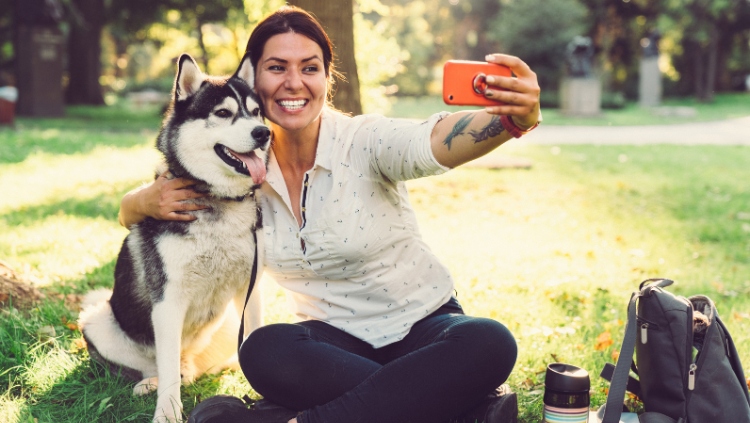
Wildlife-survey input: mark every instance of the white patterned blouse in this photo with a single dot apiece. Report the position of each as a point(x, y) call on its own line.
point(357, 261)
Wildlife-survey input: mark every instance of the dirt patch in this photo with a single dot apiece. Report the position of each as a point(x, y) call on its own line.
point(15, 292)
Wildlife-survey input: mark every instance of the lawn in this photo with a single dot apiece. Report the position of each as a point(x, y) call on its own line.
point(672, 111)
point(552, 251)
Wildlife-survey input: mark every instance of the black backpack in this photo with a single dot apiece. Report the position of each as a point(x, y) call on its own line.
point(687, 365)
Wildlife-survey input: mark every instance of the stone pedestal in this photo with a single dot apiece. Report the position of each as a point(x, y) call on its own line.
point(580, 96)
point(649, 87)
point(39, 71)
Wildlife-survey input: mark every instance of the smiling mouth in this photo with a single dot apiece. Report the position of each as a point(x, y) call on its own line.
point(292, 104)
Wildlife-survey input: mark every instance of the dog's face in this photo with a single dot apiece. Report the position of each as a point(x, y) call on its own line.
point(215, 131)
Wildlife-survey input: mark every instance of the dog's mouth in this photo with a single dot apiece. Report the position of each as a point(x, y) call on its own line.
point(245, 163)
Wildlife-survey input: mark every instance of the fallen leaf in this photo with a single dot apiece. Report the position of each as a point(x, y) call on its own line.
point(615, 355)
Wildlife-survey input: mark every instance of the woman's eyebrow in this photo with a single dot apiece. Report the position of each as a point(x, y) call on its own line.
point(278, 59)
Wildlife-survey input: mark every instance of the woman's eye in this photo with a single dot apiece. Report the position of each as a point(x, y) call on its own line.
point(311, 69)
point(275, 68)
point(223, 113)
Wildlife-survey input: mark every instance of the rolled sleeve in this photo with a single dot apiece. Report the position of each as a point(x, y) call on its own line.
point(397, 149)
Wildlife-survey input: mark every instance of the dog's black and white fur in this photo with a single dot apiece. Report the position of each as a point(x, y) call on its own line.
point(180, 286)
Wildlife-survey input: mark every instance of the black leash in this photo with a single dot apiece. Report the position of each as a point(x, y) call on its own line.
point(253, 277)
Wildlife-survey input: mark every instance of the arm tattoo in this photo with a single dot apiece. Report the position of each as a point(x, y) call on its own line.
point(493, 129)
point(458, 129)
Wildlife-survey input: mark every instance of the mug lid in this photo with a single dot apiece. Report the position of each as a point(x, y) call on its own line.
point(566, 378)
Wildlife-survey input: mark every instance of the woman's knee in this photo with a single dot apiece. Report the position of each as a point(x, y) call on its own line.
point(266, 350)
point(491, 346)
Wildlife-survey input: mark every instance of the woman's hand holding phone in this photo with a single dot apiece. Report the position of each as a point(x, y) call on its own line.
point(504, 85)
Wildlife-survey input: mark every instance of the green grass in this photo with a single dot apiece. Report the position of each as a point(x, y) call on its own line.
point(553, 251)
point(725, 106)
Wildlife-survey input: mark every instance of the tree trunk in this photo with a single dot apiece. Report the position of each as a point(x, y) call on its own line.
point(713, 58)
point(337, 17)
point(202, 45)
point(84, 54)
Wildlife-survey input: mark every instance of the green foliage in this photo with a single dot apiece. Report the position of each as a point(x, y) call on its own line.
point(539, 31)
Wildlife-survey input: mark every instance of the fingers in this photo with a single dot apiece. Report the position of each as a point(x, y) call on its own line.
point(519, 94)
point(173, 199)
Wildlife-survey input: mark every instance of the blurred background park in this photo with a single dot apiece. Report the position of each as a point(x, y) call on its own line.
point(99, 51)
point(548, 236)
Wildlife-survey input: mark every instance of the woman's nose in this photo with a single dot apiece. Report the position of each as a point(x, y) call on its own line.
point(293, 80)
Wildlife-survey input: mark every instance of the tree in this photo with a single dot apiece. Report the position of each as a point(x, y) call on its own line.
point(539, 31)
point(337, 17)
point(708, 32)
point(84, 53)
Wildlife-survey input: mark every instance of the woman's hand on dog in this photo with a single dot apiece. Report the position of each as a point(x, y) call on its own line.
point(164, 199)
point(173, 199)
point(520, 93)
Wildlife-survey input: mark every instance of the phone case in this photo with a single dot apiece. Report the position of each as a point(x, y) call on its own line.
point(464, 82)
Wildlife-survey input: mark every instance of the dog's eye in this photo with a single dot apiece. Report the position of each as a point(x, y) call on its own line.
point(223, 113)
point(256, 111)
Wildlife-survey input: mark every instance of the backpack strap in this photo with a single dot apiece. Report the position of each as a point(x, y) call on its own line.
point(634, 385)
point(253, 279)
point(620, 376)
point(660, 282)
point(734, 357)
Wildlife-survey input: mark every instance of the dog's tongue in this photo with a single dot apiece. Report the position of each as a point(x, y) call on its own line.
point(255, 166)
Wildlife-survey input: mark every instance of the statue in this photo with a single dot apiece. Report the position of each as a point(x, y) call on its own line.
point(650, 44)
point(580, 54)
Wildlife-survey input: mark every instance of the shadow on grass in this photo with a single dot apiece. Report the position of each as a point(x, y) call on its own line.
point(89, 393)
point(80, 132)
point(103, 205)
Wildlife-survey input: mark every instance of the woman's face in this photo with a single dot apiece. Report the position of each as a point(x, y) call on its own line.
point(291, 81)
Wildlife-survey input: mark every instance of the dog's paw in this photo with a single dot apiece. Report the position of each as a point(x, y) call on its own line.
point(168, 411)
point(146, 386)
point(188, 371)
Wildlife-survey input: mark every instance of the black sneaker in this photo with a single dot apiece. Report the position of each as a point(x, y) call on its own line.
point(500, 406)
point(229, 409)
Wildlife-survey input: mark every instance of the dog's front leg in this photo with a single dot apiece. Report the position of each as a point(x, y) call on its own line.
point(168, 317)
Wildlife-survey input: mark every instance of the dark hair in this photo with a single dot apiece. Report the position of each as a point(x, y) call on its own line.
point(292, 19)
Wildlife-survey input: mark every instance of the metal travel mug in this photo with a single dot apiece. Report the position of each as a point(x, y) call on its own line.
point(566, 394)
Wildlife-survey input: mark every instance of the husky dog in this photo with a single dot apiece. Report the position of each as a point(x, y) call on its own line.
point(180, 286)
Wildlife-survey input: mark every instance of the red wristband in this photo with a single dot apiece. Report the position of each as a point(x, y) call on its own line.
point(512, 129)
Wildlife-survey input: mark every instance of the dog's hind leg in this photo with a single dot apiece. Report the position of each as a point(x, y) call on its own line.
point(217, 349)
point(110, 346)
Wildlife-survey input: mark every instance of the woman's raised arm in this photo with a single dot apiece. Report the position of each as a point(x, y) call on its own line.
point(465, 136)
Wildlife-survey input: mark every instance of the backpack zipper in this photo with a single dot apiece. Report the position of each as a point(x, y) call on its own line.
point(691, 376)
point(644, 326)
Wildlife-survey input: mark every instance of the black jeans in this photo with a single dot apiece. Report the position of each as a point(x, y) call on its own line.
point(446, 365)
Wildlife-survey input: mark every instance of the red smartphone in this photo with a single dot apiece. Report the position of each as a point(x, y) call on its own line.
point(464, 82)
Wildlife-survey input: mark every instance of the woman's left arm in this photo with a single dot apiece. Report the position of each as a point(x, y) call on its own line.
point(465, 136)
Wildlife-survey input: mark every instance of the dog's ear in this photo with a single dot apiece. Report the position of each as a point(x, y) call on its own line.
point(189, 78)
point(246, 72)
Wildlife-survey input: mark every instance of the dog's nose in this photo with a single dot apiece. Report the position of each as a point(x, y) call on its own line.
point(261, 133)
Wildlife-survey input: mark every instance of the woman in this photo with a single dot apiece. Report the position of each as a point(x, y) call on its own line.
point(381, 339)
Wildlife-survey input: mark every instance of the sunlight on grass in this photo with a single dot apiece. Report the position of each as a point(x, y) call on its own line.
point(49, 367)
point(60, 247)
point(50, 177)
point(62, 221)
point(11, 409)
